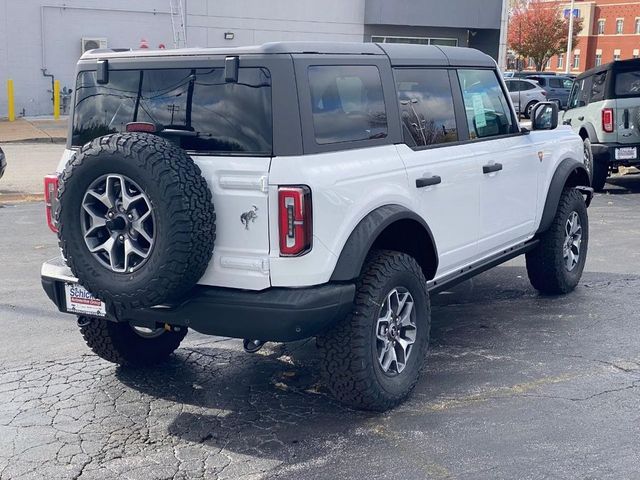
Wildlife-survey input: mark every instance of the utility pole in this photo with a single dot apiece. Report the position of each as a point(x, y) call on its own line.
point(570, 40)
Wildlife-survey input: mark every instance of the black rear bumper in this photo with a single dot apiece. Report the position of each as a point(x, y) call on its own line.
point(275, 314)
point(606, 152)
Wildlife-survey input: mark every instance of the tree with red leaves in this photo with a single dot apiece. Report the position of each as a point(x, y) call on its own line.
point(539, 31)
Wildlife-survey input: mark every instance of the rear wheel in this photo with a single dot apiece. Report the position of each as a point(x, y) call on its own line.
point(555, 266)
point(529, 109)
point(124, 344)
point(600, 174)
point(588, 157)
point(373, 358)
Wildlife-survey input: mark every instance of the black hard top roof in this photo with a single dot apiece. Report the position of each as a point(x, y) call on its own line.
point(632, 63)
point(399, 54)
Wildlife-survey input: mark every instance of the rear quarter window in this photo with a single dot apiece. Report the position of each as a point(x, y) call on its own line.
point(203, 112)
point(628, 84)
point(347, 103)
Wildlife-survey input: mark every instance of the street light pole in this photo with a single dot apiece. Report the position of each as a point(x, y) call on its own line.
point(570, 40)
point(504, 25)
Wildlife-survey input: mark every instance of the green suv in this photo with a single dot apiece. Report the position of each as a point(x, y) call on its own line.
point(604, 109)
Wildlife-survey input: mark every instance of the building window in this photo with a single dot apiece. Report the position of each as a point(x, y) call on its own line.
point(600, 27)
point(444, 42)
point(560, 60)
point(636, 53)
point(616, 57)
point(637, 29)
point(598, 59)
point(576, 60)
point(619, 26)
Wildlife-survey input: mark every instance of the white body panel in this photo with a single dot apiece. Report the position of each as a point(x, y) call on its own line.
point(472, 215)
point(451, 208)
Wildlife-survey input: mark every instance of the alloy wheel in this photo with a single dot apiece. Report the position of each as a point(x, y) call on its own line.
point(395, 331)
point(118, 223)
point(572, 241)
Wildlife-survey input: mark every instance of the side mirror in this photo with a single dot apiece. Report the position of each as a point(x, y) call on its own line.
point(544, 116)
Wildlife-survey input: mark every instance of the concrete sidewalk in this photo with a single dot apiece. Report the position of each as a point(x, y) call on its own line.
point(34, 129)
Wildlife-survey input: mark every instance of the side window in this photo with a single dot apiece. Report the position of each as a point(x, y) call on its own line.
point(524, 86)
point(585, 92)
point(567, 83)
point(556, 83)
point(347, 103)
point(598, 87)
point(512, 85)
point(573, 98)
point(486, 106)
point(426, 107)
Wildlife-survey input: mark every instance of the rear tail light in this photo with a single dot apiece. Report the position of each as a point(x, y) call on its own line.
point(294, 220)
point(141, 127)
point(544, 93)
point(607, 120)
point(51, 200)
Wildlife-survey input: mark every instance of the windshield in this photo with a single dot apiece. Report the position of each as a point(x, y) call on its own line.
point(195, 107)
point(628, 83)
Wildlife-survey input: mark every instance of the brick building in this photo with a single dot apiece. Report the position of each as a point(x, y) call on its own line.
point(611, 31)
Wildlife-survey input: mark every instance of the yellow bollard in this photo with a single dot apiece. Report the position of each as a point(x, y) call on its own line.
point(11, 106)
point(56, 99)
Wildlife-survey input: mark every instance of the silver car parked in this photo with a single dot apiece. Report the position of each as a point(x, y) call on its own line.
point(525, 94)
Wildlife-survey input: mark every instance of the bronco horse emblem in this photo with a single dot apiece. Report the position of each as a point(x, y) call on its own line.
point(249, 216)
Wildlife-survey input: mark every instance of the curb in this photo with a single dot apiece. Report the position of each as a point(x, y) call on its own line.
point(11, 198)
point(58, 140)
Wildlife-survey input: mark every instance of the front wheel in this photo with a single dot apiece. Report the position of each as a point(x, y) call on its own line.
point(373, 358)
point(555, 266)
point(124, 344)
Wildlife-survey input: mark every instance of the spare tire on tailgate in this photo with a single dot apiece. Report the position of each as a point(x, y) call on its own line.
point(136, 220)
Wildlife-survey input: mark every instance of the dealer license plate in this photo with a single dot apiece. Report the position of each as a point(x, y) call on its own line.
point(81, 302)
point(626, 153)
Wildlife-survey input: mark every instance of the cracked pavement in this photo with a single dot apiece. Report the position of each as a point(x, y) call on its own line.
point(516, 385)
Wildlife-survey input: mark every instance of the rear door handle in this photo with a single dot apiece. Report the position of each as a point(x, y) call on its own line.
point(428, 181)
point(580, 118)
point(494, 167)
point(567, 122)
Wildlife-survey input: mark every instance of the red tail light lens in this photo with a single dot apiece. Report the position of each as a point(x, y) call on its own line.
point(607, 120)
point(141, 127)
point(51, 200)
point(295, 221)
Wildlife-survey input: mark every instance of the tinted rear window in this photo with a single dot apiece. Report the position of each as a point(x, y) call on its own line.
point(628, 83)
point(347, 103)
point(209, 114)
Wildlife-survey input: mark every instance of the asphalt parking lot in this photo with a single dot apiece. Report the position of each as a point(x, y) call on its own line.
point(517, 386)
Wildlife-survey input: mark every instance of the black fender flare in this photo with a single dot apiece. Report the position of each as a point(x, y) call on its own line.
point(591, 132)
point(356, 249)
point(569, 173)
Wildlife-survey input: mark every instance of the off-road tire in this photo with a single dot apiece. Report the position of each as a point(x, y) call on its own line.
point(545, 264)
point(600, 174)
point(184, 219)
point(588, 157)
point(350, 364)
point(117, 342)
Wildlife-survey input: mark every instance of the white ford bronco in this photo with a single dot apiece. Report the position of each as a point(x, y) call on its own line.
point(296, 190)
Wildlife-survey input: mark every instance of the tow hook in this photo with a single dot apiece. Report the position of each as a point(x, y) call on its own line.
point(252, 346)
point(83, 321)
